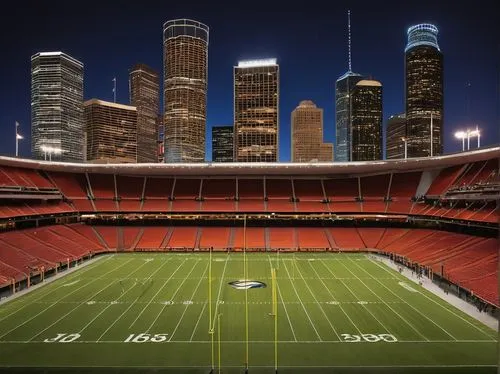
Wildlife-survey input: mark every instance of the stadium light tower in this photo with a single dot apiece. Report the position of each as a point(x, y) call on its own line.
point(405, 140)
point(467, 134)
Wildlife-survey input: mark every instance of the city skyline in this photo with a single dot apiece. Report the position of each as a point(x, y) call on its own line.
point(317, 84)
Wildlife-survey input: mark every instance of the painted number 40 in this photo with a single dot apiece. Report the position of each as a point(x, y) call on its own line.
point(143, 338)
point(370, 338)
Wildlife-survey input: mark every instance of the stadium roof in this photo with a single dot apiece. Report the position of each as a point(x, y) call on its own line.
point(259, 169)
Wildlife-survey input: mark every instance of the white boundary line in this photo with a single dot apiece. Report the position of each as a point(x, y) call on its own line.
point(133, 303)
point(157, 292)
point(440, 304)
point(187, 305)
point(415, 309)
point(283, 303)
point(76, 307)
point(394, 311)
point(46, 287)
point(171, 298)
point(303, 306)
point(260, 342)
point(53, 304)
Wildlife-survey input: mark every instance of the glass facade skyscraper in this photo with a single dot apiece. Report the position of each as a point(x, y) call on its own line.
point(343, 90)
point(256, 111)
point(144, 85)
point(222, 144)
point(424, 91)
point(57, 123)
point(366, 121)
point(185, 52)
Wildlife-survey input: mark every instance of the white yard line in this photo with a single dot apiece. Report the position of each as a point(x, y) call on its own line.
point(55, 303)
point(187, 305)
point(316, 301)
point(333, 297)
point(171, 298)
point(356, 296)
point(373, 292)
point(157, 292)
point(303, 306)
point(133, 303)
point(76, 307)
point(434, 301)
point(415, 309)
point(49, 281)
point(220, 289)
point(106, 308)
point(283, 303)
point(198, 322)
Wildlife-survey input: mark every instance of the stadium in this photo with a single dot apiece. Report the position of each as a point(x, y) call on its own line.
point(387, 266)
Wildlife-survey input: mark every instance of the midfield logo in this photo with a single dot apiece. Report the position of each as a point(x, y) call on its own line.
point(247, 284)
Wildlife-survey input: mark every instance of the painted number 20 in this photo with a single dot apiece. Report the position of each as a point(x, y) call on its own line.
point(370, 338)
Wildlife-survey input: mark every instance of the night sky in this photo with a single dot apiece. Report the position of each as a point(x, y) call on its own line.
point(309, 39)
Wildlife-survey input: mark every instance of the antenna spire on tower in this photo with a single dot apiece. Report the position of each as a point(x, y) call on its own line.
point(349, 37)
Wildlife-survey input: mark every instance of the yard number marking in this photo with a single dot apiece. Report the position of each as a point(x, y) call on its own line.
point(62, 338)
point(370, 338)
point(143, 338)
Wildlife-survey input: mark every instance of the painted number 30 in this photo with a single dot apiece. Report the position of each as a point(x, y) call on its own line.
point(370, 338)
point(143, 338)
point(63, 338)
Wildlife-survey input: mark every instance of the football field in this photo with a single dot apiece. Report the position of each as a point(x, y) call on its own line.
point(330, 313)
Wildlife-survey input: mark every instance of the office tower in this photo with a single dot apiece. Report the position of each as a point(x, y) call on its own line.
point(111, 132)
point(395, 133)
point(185, 52)
point(366, 121)
point(57, 124)
point(222, 143)
point(144, 84)
point(343, 88)
point(256, 111)
point(161, 139)
point(307, 134)
point(424, 91)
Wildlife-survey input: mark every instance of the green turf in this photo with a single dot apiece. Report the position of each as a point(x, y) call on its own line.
point(321, 297)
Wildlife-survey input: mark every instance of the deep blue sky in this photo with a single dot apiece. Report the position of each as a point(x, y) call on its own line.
point(308, 38)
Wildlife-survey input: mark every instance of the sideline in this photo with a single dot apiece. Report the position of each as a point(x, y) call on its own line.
point(463, 305)
point(53, 278)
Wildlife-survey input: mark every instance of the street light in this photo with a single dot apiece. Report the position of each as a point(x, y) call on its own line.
point(405, 140)
point(50, 150)
point(18, 137)
point(467, 134)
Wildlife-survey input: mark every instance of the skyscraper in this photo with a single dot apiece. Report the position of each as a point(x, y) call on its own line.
point(57, 124)
point(424, 91)
point(222, 143)
point(307, 134)
point(343, 113)
point(343, 88)
point(185, 52)
point(111, 132)
point(256, 111)
point(366, 121)
point(144, 85)
point(396, 131)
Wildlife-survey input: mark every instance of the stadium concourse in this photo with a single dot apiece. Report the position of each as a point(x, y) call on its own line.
point(437, 216)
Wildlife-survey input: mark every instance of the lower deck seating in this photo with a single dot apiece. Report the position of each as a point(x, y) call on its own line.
point(470, 261)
